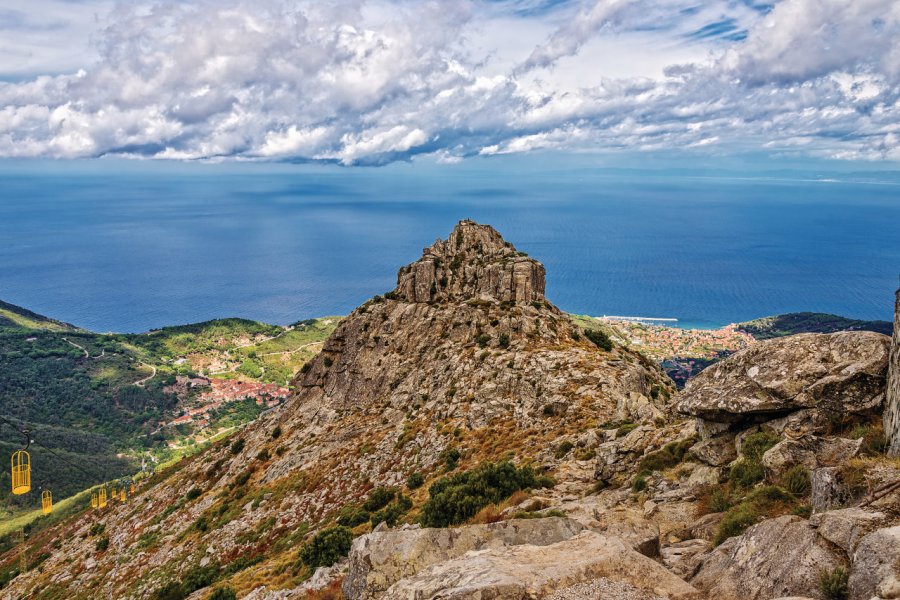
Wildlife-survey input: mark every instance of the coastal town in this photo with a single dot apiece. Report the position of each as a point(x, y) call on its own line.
point(215, 393)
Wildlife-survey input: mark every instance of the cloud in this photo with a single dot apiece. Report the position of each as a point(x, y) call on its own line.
point(374, 81)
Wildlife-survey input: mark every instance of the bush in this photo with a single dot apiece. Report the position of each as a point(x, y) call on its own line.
point(503, 341)
point(351, 516)
point(102, 544)
point(392, 512)
point(764, 501)
point(276, 433)
point(451, 458)
point(223, 593)
point(833, 584)
point(670, 455)
point(457, 498)
point(237, 446)
point(170, 591)
point(735, 522)
point(326, 547)
point(97, 529)
point(747, 472)
point(625, 428)
point(564, 448)
point(640, 484)
point(483, 340)
point(756, 444)
point(796, 480)
point(379, 498)
point(599, 338)
point(193, 494)
point(415, 481)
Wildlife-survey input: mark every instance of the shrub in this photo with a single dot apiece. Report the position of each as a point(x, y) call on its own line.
point(483, 340)
point(199, 578)
point(237, 446)
point(625, 428)
point(351, 516)
point(415, 481)
point(392, 512)
point(276, 433)
point(97, 529)
point(564, 448)
point(328, 361)
point(640, 483)
point(503, 341)
point(599, 338)
point(193, 494)
point(262, 455)
point(379, 498)
point(102, 544)
point(735, 522)
point(223, 593)
point(796, 480)
point(326, 547)
point(170, 591)
point(747, 472)
point(833, 584)
point(457, 498)
point(670, 455)
point(756, 444)
point(451, 458)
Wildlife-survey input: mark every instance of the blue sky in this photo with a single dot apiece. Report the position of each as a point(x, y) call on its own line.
point(369, 82)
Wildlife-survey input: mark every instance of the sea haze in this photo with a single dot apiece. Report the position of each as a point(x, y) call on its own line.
point(129, 246)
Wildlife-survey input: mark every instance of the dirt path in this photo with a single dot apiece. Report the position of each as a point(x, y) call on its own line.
point(140, 383)
point(82, 348)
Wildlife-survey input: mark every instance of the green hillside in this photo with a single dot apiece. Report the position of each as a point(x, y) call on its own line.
point(809, 322)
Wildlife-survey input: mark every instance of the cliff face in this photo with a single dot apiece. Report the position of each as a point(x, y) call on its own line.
point(465, 353)
point(892, 406)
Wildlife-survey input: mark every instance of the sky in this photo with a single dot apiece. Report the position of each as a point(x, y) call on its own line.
point(371, 82)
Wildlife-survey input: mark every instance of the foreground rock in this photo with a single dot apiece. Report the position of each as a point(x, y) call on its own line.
point(841, 372)
point(876, 565)
point(892, 407)
point(379, 559)
point(778, 557)
point(532, 572)
point(811, 452)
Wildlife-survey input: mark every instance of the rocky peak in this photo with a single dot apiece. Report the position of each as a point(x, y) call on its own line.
point(475, 262)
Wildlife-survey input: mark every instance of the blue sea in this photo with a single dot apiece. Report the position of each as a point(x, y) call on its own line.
point(115, 245)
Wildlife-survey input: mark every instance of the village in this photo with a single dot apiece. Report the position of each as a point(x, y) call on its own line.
point(218, 392)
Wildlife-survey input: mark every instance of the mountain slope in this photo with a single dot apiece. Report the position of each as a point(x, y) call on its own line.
point(464, 361)
point(808, 322)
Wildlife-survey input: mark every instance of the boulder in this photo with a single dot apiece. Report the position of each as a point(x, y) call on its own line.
point(876, 563)
point(526, 572)
point(684, 558)
point(717, 451)
point(843, 372)
point(379, 559)
point(829, 489)
point(810, 451)
point(631, 526)
point(846, 527)
point(776, 557)
point(891, 415)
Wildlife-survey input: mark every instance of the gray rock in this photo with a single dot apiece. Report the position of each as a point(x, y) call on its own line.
point(631, 526)
point(684, 558)
point(377, 560)
point(843, 371)
point(891, 415)
point(810, 451)
point(829, 490)
point(876, 561)
point(846, 527)
point(523, 572)
point(717, 451)
point(777, 557)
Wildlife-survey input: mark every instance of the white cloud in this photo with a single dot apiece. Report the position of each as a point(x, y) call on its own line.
point(371, 81)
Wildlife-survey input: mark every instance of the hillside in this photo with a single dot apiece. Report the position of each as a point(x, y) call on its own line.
point(98, 401)
point(464, 361)
point(809, 322)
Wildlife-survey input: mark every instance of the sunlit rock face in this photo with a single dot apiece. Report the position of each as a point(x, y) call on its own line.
point(892, 408)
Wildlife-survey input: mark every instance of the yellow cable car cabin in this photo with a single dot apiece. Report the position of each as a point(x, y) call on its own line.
point(131, 489)
point(95, 503)
point(46, 502)
point(21, 472)
point(101, 498)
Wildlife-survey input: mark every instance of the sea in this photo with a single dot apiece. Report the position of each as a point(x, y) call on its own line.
point(127, 246)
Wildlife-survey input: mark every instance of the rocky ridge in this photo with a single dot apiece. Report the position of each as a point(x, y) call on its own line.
point(764, 476)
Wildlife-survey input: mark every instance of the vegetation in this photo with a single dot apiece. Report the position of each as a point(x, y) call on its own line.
point(809, 322)
point(415, 481)
point(833, 584)
point(763, 502)
point(667, 457)
point(326, 547)
point(599, 338)
point(797, 480)
point(457, 498)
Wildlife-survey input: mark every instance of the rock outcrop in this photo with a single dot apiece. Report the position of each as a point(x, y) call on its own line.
point(531, 572)
point(778, 557)
point(811, 452)
point(892, 406)
point(876, 565)
point(839, 372)
point(380, 559)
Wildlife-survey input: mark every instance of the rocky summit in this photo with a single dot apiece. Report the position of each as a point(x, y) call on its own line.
point(461, 437)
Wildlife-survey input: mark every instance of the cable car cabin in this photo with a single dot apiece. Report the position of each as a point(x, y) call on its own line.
point(46, 502)
point(101, 498)
point(95, 503)
point(21, 472)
